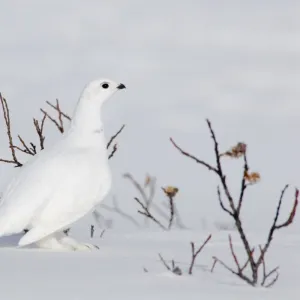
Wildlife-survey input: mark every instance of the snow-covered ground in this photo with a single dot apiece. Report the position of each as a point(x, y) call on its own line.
point(235, 62)
point(116, 271)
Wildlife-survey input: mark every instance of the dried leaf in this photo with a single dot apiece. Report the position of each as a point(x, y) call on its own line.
point(236, 151)
point(252, 178)
point(171, 191)
point(148, 179)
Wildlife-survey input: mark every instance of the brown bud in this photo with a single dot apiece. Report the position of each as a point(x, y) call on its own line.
point(237, 151)
point(252, 178)
point(170, 191)
point(147, 180)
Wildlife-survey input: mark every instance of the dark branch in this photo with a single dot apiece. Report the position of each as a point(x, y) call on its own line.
point(235, 208)
point(146, 213)
point(266, 275)
point(196, 253)
point(208, 166)
point(115, 136)
point(171, 207)
point(117, 209)
point(275, 226)
point(243, 184)
point(6, 115)
point(115, 148)
point(164, 262)
point(221, 202)
point(40, 131)
point(57, 108)
point(59, 126)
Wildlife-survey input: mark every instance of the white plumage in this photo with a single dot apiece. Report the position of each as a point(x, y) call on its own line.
point(62, 183)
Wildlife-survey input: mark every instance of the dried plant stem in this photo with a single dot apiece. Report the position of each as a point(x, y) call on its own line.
point(195, 253)
point(147, 213)
point(6, 116)
point(116, 209)
point(234, 209)
point(174, 269)
point(115, 136)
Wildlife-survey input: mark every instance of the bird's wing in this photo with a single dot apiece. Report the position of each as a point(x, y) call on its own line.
point(54, 219)
point(51, 190)
point(83, 183)
point(25, 194)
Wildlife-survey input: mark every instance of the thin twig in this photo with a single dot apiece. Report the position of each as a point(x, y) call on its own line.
point(171, 207)
point(214, 264)
point(150, 184)
point(243, 184)
point(275, 226)
point(196, 253)
point(8, 161)
point(115, 148)
point(146, 199)
point(59, 126)
point(92, 231)
point(217, 260)
point(137, 186)
point(6, 115)
point(57, 108)
point(61, 122)
point(247, 261)
point(233, 253)
point(221, 202)
point(267, 275)
point(164, 262)
point(171, 202)
point(40, 131)
point(102, 233)
point(208, 166)
point(274, 279)
point(146, 213)
point(115, 136)
point(240, 275)
point(116, 209)
point(26, 149)
point(174, 269)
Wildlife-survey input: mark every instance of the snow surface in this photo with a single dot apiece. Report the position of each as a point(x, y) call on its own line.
point(236, 62)
point(116, 271)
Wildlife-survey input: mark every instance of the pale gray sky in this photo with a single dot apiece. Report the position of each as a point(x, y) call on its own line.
point(234, 62)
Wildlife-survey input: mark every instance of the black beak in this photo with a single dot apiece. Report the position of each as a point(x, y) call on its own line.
point(121, 86)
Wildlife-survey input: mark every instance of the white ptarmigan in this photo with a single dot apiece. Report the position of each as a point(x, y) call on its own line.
point(64, 182)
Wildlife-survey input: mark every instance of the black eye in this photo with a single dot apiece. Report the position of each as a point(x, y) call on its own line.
point(105, 85)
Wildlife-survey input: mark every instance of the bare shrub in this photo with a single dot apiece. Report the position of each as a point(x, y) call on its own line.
point(176, 269)
point(148, 208)
point(234, 211)
point(115, 208)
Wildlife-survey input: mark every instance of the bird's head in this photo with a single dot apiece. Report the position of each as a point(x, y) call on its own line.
point(94, 95)
point(100, 90)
